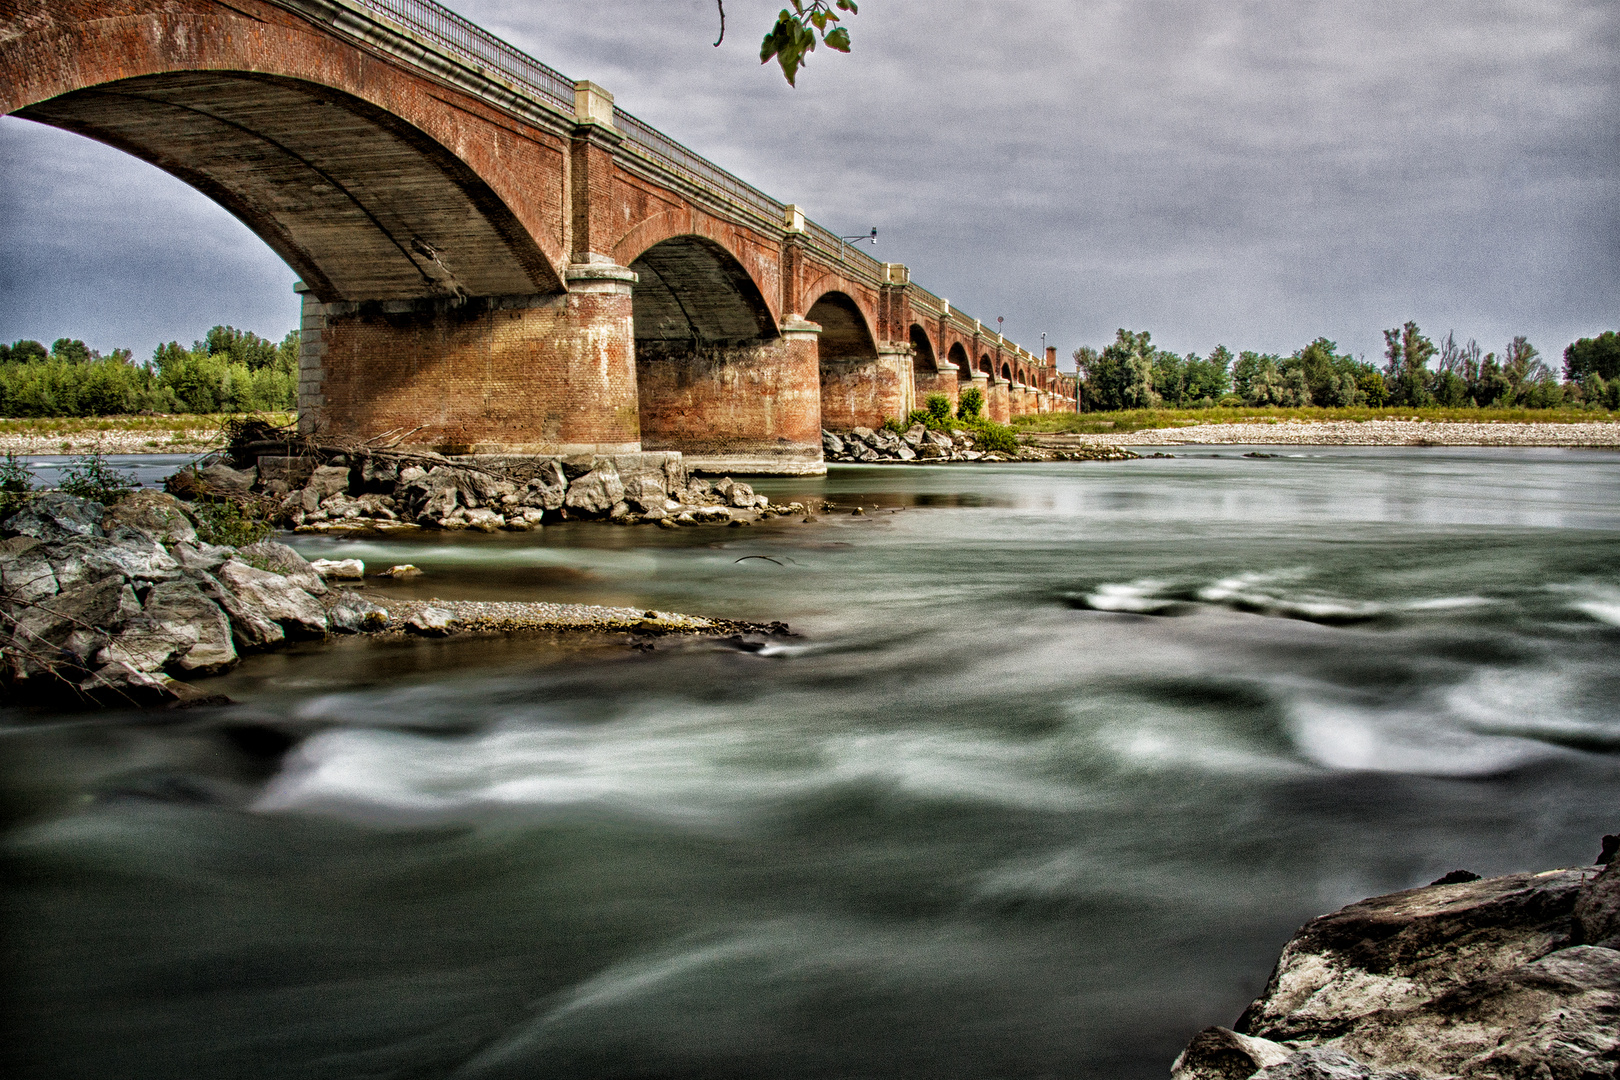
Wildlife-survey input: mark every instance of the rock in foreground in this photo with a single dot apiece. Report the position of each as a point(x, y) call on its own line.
point(1486, 979)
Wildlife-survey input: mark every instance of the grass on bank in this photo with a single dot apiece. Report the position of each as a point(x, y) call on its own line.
point(49, 427)
point(1100, 423)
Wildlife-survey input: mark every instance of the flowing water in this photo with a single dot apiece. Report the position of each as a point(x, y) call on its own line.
point(1061, 757)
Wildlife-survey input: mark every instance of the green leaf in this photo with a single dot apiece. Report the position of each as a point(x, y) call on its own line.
point(838, 39)
point(849, 6)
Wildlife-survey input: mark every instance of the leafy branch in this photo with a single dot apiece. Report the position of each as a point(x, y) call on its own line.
point(794, 37)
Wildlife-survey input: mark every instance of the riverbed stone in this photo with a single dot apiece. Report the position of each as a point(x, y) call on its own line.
point(326, 481)
point(339, 569)
point(352, 613)
point(484, 520)
point(645, 492)
point(200, 556)
point(431, 621)
point(178, 625)
point(265, 607)
point(38, 631)
point(25, 570)
point(155, 513)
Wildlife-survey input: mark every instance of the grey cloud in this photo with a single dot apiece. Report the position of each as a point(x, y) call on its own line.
point(1255, 173)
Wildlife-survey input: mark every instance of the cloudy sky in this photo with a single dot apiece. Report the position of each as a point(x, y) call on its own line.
point(1248, 172)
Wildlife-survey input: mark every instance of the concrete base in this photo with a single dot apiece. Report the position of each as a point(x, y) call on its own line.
point(743, 465)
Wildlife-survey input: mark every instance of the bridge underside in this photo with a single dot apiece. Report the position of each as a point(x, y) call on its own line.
point(715, 378)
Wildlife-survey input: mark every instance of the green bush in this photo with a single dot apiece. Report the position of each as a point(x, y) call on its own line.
point(222, 521)
point(90, 477)
point(992, 437)
point(937, 406)
point(970, 404)
point(16, 484)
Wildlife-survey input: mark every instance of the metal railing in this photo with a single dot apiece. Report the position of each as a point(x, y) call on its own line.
point(469, 41)
point(665, 151)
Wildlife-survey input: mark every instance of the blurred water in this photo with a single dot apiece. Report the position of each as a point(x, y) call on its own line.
point(1062, 756)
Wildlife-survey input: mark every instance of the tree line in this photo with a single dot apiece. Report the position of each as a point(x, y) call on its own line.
point(1133, 373)
point(229, 370)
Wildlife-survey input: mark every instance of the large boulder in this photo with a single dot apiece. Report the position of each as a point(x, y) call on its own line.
point(292, 471)
point(25, 570)
point(1478, 979)
point(324, 482)
point(645, 492)
point(594, 493)
point(351, 613)
point(221, 478)
point(279, 558)
point(179, 626)
point(264, 607)
point(39, 631)
point(130, 554)
point(156, 513)
point(55, 516)
point(831, 444)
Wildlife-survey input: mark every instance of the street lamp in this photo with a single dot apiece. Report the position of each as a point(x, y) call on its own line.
point(842, 240)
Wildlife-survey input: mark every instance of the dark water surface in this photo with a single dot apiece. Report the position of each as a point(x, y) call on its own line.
point(1063, 756)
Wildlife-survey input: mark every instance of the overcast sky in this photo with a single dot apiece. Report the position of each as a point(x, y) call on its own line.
point(1248, 172)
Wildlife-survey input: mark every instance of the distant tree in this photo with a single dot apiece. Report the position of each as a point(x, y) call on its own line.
point(24, 352)
point(1593, 356)
point(1371, 389)
point(1406, 376)
point(69, 351)
point(1121, 376)
point(1209, 380)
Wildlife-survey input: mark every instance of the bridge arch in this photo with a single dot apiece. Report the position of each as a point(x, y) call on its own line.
point(958, 358)
point(922, 350)
point(849, 364)
point(691, 289)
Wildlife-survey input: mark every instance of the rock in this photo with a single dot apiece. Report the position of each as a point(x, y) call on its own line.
point(155, 513)
point(339, 569)
point(403, 570)
point(932, 451)
point(710, 515)
point(431, 621)
point(410, 474)
point(645, 492)
point(327, 481)
point(484, 520)
point(596, 491)
point(220, 477)
point(861, 434)
point(205, 558)
point(905, 453)
point(276, 489)
point(831, 445)
point(380, 473)
point(352, 613)
point(25, 571)
point(281, 559)
point(179, 625)
point(264, 606)
point(55, 516)
point(1476, 978)
point(1218, 1053)
point(941, 440)
point(915, 435)
point(667, 522)
point(866, 453)
point(292, 471)
point(39, 630)
point(439, 504)
point(121, 684)
point(1597, 909)
point(130, 554)
point(736, 493)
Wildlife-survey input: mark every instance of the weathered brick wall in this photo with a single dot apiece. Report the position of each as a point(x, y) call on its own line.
point(548, 374)
point(756, 401)
point(861, 393)
point(998, 401)
point(936, 382)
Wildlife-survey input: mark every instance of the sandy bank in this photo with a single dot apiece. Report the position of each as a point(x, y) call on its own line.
point(1353, 433)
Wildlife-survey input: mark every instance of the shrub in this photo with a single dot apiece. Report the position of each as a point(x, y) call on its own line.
point(16, 484)
point(223, 521)
point(990, 436)
point(937, 406)
point(90, 477)
point(970, 404)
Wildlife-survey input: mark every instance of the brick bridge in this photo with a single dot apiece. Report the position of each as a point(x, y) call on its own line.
point(495, 258)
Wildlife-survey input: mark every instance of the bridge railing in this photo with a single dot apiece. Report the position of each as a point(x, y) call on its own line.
point(457, 35)
point(664, 150)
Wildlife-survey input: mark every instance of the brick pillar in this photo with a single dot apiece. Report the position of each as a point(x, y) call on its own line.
point(981, 382)
point(998, 402)
point(940, 381)
point(746, 410)
point(550, 374)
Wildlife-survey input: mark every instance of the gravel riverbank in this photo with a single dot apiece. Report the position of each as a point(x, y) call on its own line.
point(1351, 433)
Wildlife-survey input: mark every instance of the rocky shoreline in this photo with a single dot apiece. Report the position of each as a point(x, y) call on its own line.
point(1349, 433)
point(922, 445)
point(121, 605)
point(1507, 978)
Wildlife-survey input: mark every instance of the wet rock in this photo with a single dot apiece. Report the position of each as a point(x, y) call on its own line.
point(379, 473)
point(352, 613)
point(905, 453)
point(861, 434)
point(1597, 909)
point(594, 493)
point(1218, 1053)
point(155, 513)
point(831, 444)
point(201, 557)
point(277, 557)
point(484, 520)
point(431, 622)
point(339, 569)
point(915, 436)
point(736, 493)
point(134, 555)
point(221, 478)
point(55, 516)
point(402, 570)
point(866, 453)
point(440, 503)
point(1477, 979)
point(121, 684)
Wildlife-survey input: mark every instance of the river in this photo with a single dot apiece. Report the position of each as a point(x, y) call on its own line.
point(1061, 756)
